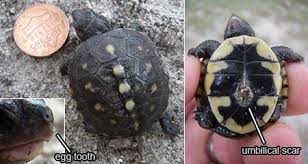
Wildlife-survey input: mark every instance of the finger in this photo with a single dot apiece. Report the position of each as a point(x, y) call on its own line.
point(189, 108)
point(195, 142)
point(192, 73)
point(298, 88)
point(228, 150)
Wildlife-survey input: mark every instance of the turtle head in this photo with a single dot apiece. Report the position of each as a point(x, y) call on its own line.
point(87, 23)
point(24, 125)
point(236, 27)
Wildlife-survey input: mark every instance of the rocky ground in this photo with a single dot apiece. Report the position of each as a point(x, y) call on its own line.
point(25, 76)
point(278, 22)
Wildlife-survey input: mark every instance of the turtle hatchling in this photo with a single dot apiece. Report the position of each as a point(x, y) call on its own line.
point(24, 125)
point(117, 78)
point(241, 73)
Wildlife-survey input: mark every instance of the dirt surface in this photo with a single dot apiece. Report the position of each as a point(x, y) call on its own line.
point(25, 76)
point(278, 22)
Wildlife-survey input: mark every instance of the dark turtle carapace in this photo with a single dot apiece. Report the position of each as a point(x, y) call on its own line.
point(117, 78)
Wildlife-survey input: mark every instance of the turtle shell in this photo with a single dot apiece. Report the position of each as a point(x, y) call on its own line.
point(119, 83)
point(243, 73)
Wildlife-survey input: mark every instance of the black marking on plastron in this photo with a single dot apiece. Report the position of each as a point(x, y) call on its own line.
point(262, 85)
point(257, 68)
point(241, 116)
point(252, 54)
point(234, 67)
point(224, 84)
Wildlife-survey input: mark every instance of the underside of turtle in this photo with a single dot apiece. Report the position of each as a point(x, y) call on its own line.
point(241, 73)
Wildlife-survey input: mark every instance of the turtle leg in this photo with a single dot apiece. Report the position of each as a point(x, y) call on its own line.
point(236, 27)
point(203, 114)
point(207, 120)
point(286, 54)
point(205, 49)
point(167, 125)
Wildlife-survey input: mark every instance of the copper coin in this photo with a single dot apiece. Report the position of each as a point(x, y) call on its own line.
point(41, 29)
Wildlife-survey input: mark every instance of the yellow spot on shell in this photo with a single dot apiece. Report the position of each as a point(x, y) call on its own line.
point(152, 107)
point(118, 70)
point(110, 49)
point(112, 121)
point(153, 88)
point(136, 126)
point(84, 66)
point(139, 48)
point(148, 67)
point(129, 105)
point(89, 87)
point(124, 87)
point(98, 107)
point(133, 116)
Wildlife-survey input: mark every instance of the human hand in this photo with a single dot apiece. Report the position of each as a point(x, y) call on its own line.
point(228, 150)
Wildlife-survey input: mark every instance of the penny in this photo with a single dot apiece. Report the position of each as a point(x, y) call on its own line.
point(41, 30)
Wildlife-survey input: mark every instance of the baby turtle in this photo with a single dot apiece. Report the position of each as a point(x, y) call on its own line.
point(240, 73)
point(24, 125)
point(117, 78)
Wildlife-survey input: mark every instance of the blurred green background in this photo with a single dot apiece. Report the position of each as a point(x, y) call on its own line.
point(278, 22)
